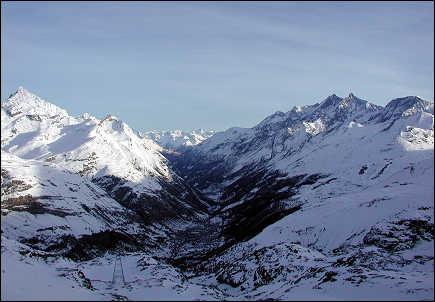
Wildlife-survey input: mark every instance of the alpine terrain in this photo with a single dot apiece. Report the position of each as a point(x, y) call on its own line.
point(178, 140)
point(329, 201)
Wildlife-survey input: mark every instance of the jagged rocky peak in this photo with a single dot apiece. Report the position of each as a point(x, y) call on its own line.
point(22, 101)
point(330, 106)
point(351, 97)
point(341, 109)
point(332, 100)
point(351, 101)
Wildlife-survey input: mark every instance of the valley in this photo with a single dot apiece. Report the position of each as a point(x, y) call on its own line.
point(328, 201)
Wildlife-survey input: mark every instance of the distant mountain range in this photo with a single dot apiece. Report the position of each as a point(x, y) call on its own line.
point(327, 201)
point(178, 140)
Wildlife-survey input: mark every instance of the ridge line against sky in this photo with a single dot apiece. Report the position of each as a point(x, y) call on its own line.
point(212, 65)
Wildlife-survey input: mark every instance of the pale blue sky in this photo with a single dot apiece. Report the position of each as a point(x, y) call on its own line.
point(214, 65)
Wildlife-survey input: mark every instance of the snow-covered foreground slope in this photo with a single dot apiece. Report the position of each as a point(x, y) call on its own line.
point(178, 140)
point(46, 278)
point(26, 278)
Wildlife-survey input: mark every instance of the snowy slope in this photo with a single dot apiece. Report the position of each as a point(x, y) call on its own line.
point(53, 191)
point(373, 244)
point(108, 152)
point(178, 140)
point(52, 209)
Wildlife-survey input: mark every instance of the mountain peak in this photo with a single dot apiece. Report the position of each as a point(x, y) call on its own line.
point(331, 100)
point(21, 92)
point(22, 101)
point(351, 96)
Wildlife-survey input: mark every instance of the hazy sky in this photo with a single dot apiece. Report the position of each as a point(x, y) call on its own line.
point(214, 65)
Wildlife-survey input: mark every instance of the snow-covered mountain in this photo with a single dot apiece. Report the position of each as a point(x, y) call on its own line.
point(337, 135)
point(107, 151)
point(329, 201)
point(178, 140)
point(68, 156)
point(35, 129)
point(344, 184)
